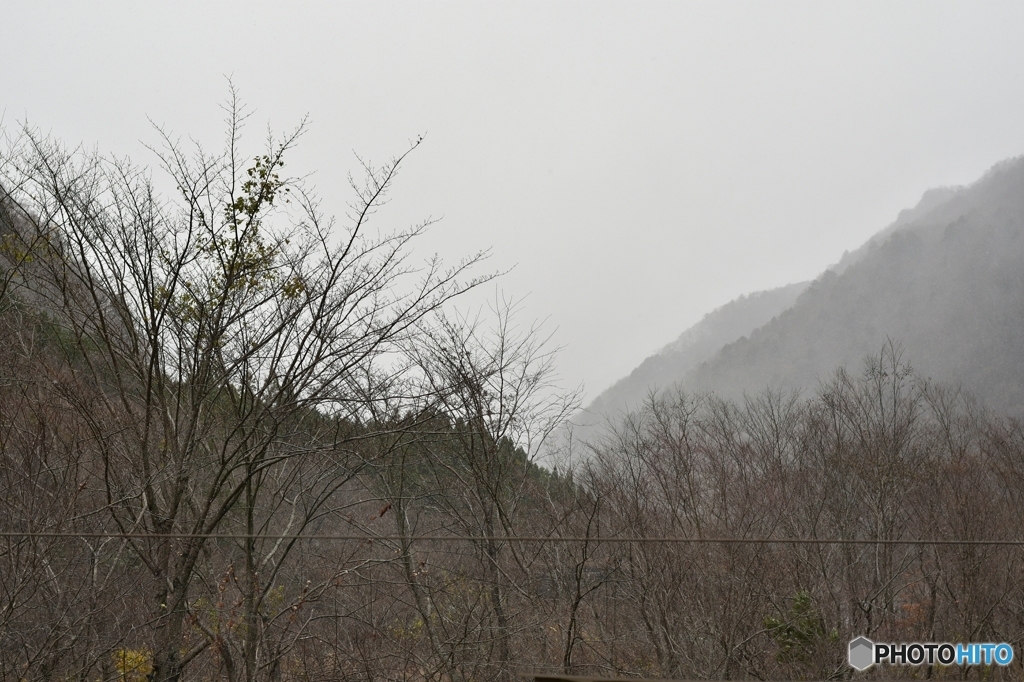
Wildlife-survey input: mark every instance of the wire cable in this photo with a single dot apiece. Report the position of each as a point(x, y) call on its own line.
point(499, 538)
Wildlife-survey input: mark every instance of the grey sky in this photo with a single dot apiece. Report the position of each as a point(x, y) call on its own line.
point(638, 163)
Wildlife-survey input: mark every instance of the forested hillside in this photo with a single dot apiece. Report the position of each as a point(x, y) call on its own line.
point(948, 286)
point(697, 344)
point(945, 281)
point(239, 442)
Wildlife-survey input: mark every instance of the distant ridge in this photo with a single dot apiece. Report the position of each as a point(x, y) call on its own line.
point(697, 344)
point(947, 284)
point(945, 281)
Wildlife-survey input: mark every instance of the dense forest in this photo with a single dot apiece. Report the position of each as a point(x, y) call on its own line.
point(241, 442)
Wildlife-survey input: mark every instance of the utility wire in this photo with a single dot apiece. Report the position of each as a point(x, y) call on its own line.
point(497, 538)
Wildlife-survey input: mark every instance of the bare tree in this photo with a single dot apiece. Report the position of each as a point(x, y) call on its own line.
point(465, 469)
point(200, 330)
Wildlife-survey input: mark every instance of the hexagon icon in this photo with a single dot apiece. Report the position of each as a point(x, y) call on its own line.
point(862, 653)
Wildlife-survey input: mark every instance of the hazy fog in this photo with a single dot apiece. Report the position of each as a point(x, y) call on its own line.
point(638, 164)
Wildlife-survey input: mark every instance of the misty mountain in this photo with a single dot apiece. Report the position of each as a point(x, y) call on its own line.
point(694, 346)
point(945, 282)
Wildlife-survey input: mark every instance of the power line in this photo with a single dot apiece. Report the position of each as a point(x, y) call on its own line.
point(497, 538)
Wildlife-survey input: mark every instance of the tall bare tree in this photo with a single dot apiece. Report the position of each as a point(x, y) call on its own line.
point(200, 329)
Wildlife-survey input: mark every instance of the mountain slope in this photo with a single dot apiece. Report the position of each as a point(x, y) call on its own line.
point(697, 344)
point(945, 281)
point(947, 284)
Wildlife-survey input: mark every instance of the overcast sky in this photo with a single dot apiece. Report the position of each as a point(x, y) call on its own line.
point(639, 164)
